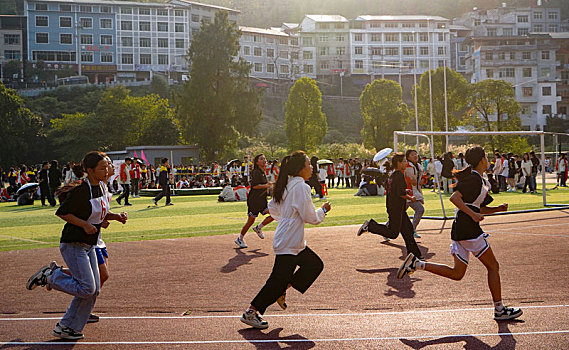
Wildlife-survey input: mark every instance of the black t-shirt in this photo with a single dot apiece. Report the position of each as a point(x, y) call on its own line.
point(257, 196)
point(464, 227)
point(395, 188)
point(448, 165)
point(78, 203)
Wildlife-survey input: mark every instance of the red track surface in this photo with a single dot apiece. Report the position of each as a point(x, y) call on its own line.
point(357, 302)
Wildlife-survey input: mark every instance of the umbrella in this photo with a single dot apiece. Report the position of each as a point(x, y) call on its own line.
point(231, 162)
point(372, 171)
point(382, 154)
point(26, 187)
point(325, 162)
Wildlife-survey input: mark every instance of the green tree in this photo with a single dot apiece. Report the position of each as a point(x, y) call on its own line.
point(217, 105)
point(383, 112)
point(21, 130)
point(305, 123)
point(159, 85)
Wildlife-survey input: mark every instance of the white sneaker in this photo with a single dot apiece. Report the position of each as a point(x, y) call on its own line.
point(408, 266)
point(259, 232)
point(240, 243)
point(253, 319)
point(507, 313)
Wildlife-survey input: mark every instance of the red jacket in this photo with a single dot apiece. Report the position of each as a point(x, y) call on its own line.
point(123, 171)
point(135, 171)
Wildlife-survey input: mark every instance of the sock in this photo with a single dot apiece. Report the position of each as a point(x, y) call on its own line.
point(498, 305)
point(419, 265)
point(260, 225)
point(241, 237)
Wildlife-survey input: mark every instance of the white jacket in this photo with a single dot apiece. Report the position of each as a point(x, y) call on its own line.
point(291, 213)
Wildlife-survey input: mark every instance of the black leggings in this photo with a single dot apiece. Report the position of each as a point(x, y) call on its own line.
point(398, 223)
point(310, 267)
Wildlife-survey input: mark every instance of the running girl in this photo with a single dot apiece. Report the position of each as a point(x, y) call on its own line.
point(292, 207)
point(256, 200)
point(471, 198)
point(84, 210)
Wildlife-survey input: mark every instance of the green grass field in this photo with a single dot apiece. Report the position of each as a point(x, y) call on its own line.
point(37, 227)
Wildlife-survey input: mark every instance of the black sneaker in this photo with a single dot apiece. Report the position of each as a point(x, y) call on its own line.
point(128, 205)
point(154, 201)
point(93, 318)
point(408, 266)
point(66, 333)
point(39, 278)
point(507, 313)
point(363, 228)
point(119, 201)
point(169, 204)
point(253, 319)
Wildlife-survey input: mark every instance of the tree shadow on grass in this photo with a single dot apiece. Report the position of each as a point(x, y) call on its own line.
point(507, 340)
point(273, 340)
point(17, 343)
point(241, 259)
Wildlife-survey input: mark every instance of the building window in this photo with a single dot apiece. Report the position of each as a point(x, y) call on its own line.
point(66, 38)
point(441, 51)
point(106, 39)
point(294, 55)
point(179, 27)
point(523, 31)
point(324, 51)
point(489, 73)
point(162, 42)
point(12, 54)
point(323, 38)
point(339, 25)
point(340, 50)
point(507, 73)
point(477, 22)
point(441, 37)
point(408, 51)
point(85, 8)
point(126, 41)
point(86, 22)
point(41, 21)
point(206, 19)
point(323, 25)
point(523, 19)
point(375, 51)
point(307, 41)
point(392, 51)
point(180, 43)
point(492, 32)
point(144, 26)
point(145, 58)
point(508, 32)
point(162, 26)
point(359, 64)
point(408, 25)
point(42, 38)
point(257, 51)
point(408, 37)
point(179, 13)
point(324, 65)
point(41, 7)
point(195, 18)
point(59, 56)
point(257, 39)
point(424, 51)
point(538, 28)
point(424, 64)
point(270, 53)
point(126, 25)
point(106, 23)
point(545, 72)
point(544, 55)
point(283, 54)
point(488, 56)
point(358, 50)
point(501, 55)
point(552, 15)
point(546, 91)
point(527, 91)
point(526, 72)
point(107, 57)
point(11, 39)
point(391, 37)
point(307, 55)
point(462, 61)
point(424, 37)
point(86, 56)
point(553, 28)
point(376, 37)
point(308, 68)
point(538, 15)
point(105, 9)
point(526, 55)
point(246, 50)
point(162, 59)
point(126, 10)
point(86, 39)
point(525, 109)
point(546, 109)
point(391, 25)
point(65, 22)
point(126, 58)
point(340, 38)
point(144, 11)
point(270, 68)
point(258, 67)
point(358, 37)
point(162, 12)
point(284, 69)
point(144, 42)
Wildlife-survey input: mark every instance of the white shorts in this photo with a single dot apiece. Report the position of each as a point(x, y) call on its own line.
point(476, 246)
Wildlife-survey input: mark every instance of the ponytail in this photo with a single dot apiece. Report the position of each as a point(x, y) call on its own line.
point(290, 166)
point(473, 157)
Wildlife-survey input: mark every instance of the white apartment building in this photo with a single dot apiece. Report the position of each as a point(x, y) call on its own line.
point(394, 46)
point(272, 53)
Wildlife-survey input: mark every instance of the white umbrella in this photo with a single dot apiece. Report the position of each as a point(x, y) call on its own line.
point(382, 154)
point(27, 187)
point(325, 162)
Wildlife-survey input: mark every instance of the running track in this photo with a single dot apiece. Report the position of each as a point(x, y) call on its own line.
point(356, 303)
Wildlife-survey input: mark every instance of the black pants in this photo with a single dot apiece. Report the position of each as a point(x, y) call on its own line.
point(398, 222)
point(52, 190)
point(165, 192)
point(330, 181)
point(134, 183)
point(125, 193)
point(310, 266)
point(313, 182)
point(340, 178)
point(527, 183)
point(45, 193)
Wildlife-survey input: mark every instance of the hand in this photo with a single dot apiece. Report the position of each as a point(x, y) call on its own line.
point(477, 217)
point(503, 207)
point(122, 217)
point(105, 224)
point(409, 191)
point(413, 199)
point(89, 229)
point(326, 206)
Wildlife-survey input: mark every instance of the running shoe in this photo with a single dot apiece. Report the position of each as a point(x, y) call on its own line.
point(507, 313)
point(119, 201)
point(416, 235)
point(66, 333)
point(169, 204)
point(39, 278)
point(154, 201)
point(408, 266)
point(93, 318)
point(363, 228)
point(282, 301)
point(253, 319)
point(240, 243)
point(259, 232)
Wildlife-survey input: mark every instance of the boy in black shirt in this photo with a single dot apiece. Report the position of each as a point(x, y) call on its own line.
point(164, 182)
point(396, 203)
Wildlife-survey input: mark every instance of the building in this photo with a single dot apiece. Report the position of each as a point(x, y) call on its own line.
point(561, 41)
point(13, 37)
point(177, 154)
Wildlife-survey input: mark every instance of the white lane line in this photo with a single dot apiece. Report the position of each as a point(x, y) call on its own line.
point(527, 234)
point(414, 312)
point(284, 340)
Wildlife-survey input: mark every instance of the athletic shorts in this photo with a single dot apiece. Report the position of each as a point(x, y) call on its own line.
point(101, 255)
point(255, 212)
point(476, 246)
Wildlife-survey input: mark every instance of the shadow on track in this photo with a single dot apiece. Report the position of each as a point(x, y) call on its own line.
point(40, 346)
point(272, 340)
point(402, 288)
point(241, 259)
point(507, 340)
point(423, 249)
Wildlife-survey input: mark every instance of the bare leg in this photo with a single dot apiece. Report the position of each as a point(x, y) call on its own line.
point(455, 273)
point(491, 264)
point(104, 272)
point(248, 224)
point(267, 220)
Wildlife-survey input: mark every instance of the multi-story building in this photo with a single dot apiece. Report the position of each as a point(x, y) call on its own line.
point(396, 46)
point(13, 36)
point(325, 46)
point(561, 40)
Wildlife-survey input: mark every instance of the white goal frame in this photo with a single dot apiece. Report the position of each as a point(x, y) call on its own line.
point(429, 136)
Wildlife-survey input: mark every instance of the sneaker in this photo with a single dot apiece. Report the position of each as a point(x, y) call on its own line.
point(363, 228)
point(240, 243)
point(259, 232)
point(154, 201)
point(127, 205)
point(408, 266)
point(167, 204)
point(93, 318)
point(416, 235)
point(119, 201)
point(253, 319)
point(66, 333)
point(507, 313)
point(282, 301)
point(39, 278)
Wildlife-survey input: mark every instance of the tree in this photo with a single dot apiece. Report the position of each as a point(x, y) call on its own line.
point(383, 112)
point(21, 130)
point(305, 123)
point(217, 104)
point(496, 109)
point(159, 85)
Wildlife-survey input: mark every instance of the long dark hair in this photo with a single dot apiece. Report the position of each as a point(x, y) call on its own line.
point(255, 166)
point(473, 157)
point(290, 165)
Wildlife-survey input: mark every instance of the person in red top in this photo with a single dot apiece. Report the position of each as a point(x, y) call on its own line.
point(135, 176)
point(23, 176)
point(330, 175)
point(562, 168)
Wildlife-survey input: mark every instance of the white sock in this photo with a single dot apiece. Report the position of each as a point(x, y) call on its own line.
point(241, 237)
point(260, 225)
point(498, 305)
point(419, 265)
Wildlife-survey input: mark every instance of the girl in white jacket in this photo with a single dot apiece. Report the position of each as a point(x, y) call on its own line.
point(292, 207)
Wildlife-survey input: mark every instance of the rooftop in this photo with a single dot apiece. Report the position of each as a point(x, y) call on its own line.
point(401, 18)
point(327, 18)
point(262, 31)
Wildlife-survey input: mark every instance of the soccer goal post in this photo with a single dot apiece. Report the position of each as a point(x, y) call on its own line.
point(428, 135)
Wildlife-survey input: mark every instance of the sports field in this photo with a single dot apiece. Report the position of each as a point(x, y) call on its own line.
point(37, 227)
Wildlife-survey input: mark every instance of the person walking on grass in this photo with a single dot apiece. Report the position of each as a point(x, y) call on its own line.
point(413, 176)
point(397, 197)
point(84, 209)
point(256, 200)
point(124, 180)
point(292, 207)
point(164, 182)
point(471, 197)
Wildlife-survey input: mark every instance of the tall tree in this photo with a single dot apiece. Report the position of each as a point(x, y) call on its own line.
point(217, 104)
point(305, 123)
point(383, 111)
